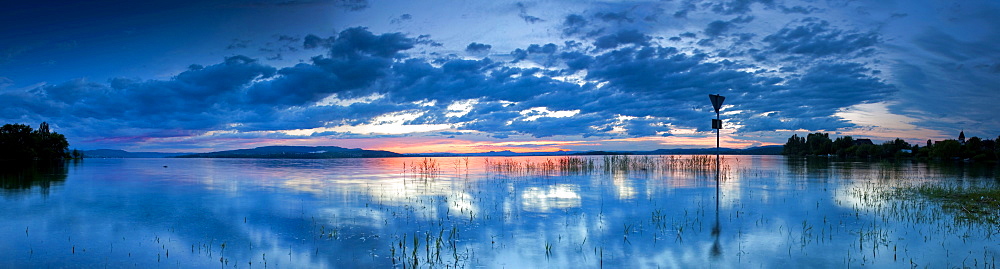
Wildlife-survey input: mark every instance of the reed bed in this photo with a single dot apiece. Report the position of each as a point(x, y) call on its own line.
point(607, 163)
point(428, 167)
point(510, 166)
point(966, 204)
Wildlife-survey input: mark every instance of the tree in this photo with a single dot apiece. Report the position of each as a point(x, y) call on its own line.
point(894, 148)
point(15, 141)
point(974, 148)
point(819, 143)
point(947, 149)
point(20, 142)
point(795, 146)
point(867, 151)
point(996, 148)
point(841, 144)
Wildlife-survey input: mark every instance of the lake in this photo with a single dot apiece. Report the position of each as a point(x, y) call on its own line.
point(496, 212)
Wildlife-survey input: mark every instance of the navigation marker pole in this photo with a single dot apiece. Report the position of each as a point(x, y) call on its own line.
point(717, 125)
point(717, 100)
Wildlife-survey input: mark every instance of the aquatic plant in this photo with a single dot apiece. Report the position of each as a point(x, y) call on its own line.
point(428, 167)
point(608, 164)
point(972, 204)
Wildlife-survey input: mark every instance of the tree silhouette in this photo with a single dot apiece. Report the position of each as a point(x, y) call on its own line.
point(20, 142)
point(973, 149)
point(795, 146)
point(819, 143)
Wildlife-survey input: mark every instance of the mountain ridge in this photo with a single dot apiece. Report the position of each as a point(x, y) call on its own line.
point(333, 152)
point(295, 152)
point(117, 153)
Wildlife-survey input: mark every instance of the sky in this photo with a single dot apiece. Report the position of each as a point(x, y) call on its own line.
point(474, 76)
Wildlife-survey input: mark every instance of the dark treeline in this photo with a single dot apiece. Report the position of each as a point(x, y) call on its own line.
point(972, 149)
point(20, 142)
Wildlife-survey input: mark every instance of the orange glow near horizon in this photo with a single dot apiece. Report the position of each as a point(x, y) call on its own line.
point(418, 145)
point(438, 144)
point(727, 141)
point(464, 146)
point(910, 136)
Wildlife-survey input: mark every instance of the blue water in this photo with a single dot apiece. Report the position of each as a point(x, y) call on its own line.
point(766, 211)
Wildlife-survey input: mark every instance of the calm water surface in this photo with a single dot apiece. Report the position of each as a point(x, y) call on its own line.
point(766, 211)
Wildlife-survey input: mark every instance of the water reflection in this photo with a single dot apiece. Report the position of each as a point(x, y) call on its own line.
point(545, 199)
point(717, 227)
point(746, 211)
point(24, 176)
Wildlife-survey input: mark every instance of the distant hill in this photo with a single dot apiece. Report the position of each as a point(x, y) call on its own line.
point(295, 152)
point(114, 153)
point(298, 152)
point(765, 150)
point(504, 153)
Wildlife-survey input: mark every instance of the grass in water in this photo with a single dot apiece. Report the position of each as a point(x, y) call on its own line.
point(972, 204)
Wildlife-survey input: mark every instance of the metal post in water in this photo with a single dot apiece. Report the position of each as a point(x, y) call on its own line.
point(717, 100)
point(717, 125)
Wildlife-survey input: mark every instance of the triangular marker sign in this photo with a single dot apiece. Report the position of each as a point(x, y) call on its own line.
point(717, 101)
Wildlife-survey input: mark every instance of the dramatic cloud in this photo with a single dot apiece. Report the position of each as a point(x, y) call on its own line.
point(606, 71)
point(816, 38)
point(738, 6)
point(477, 48)
point(716, 28)
point(353, 5)
point(623, 37)
point(313, 41)
point(652, 87)
point(573, 24)
point(524, 14)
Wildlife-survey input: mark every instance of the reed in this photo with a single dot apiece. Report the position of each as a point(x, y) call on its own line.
point(971, 204)
point(607, 163)
point(426, 168)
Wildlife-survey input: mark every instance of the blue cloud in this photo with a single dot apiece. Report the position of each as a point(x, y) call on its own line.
point(477, 48)
point(818, 38)
point(952, 87)
point(613, 16)
point(305, 83)
point(542, 49)
point(805, 10)
point(352, 5)
point(313, 41)
point(524, 14)
point(573, 24)
point(644, 127)
point(738, 6)
point(358, 41)
point(626, 74)
point(719, 27)
point(623, 37)
point(195, 99)
point(576, 60)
